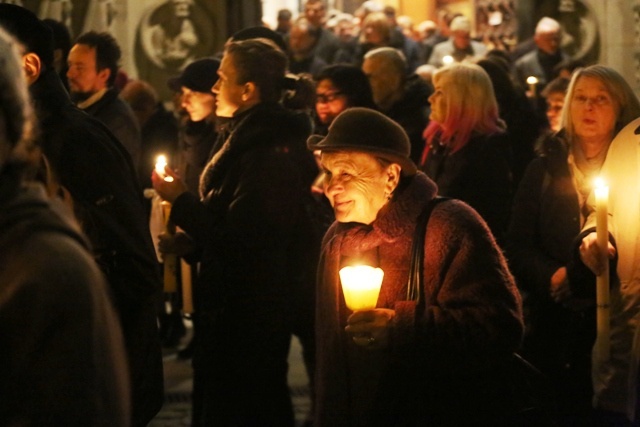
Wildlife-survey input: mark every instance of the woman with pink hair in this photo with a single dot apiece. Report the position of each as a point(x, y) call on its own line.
point(467, 149)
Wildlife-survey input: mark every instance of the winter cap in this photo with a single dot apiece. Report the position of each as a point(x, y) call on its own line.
point(199, 76)
point(460, 23)
point(367, 130)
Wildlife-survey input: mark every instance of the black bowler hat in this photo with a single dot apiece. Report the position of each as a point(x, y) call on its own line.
point(199, 76)
point(363, 129)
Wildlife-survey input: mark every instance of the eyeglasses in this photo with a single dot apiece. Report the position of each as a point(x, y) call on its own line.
point(598, 101)
point(323, 98)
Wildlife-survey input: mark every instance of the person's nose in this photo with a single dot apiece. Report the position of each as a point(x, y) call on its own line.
point(331, 187)
point(216, 87)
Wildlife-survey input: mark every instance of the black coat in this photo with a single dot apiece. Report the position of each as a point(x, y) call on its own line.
point(256, 243)
point(478, 174)
point(62, 360)
point(88, 160)
point(544, 224)
point(119, 118)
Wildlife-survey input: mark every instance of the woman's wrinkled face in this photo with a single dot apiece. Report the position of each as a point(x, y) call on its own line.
point(329, 101)
point(356, 184)
point(593, 111)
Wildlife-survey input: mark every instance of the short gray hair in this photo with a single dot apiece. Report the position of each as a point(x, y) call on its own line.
point(389, 56)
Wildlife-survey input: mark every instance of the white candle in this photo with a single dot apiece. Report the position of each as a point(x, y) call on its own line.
point(532, 81)
point(602, 281)
point(361, 286)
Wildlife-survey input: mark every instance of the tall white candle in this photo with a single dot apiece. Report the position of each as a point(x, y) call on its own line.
point(602, 280)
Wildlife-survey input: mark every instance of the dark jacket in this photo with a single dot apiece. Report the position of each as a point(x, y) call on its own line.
point(87, 160)
point(435, 367)
point(255, 240)
point(196, 142)
point(120, 120)
point(478, 174)
point(62, 360)
point(544, 224)
point(412, 112)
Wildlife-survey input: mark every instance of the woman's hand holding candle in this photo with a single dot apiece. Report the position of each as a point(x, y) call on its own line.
point(590, 253)
point(169, 190)
point(371, 328)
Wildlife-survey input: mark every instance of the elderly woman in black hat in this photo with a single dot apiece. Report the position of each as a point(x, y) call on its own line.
point(432, 348)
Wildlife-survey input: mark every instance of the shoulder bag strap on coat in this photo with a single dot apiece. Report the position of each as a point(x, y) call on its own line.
point(415, 290)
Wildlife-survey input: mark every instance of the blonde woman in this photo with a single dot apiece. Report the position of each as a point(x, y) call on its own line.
point(467, 149)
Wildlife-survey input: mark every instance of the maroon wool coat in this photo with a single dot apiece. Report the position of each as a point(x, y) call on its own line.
point(472, 317)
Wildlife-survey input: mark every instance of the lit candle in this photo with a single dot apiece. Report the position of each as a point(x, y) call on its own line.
point(447, 59)
point(602, 280)
point(361, 286)
point(161, 162)
point(532, 81)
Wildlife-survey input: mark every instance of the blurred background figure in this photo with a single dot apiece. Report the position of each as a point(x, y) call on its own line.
point(327, 45)
point(283, 25)
point(62, 361)
point(460, 47)
point(468, 152)
point(158, 126)
point(550, 209)
point(302, 40)
point(554, 95)
point(400, 96)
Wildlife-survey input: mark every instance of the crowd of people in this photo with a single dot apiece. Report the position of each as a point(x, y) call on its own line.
point(331, 141)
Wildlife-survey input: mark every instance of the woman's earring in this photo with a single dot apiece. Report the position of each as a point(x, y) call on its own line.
point(387, 195)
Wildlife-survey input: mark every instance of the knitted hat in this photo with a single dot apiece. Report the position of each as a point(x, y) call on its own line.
point(366, 130)
point(199, 76)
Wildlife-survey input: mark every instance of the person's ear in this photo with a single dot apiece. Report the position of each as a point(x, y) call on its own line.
point(103, 76)
point(250, 92)
point(393, 174)
point(32, 67)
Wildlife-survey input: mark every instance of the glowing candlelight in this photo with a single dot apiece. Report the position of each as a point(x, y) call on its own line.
point(602, 280)
point(161, 162)
point(361, 286)
point(532, 81)
point(447, 59)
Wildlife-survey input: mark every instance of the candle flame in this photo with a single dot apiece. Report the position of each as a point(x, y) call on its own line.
point(161, 162)
point(599, 183)
point(532, 80)
point(448, 59)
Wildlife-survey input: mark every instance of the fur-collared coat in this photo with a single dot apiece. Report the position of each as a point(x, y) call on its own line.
point(434, 369)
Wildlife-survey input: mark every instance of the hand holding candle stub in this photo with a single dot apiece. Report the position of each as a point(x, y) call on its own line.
point(361, 286)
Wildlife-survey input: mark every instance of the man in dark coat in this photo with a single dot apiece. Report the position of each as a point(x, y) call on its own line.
point(93, 67)
point(400, 97)
point(87, 161)
point(62, 360)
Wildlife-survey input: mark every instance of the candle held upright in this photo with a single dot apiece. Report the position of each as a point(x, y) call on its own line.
point(361, 286)
point(170, 261)
point(602, 280)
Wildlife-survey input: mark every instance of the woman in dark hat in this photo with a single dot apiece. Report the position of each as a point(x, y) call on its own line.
point(435, 359)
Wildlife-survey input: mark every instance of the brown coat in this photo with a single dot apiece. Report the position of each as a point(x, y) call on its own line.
point(472, 319)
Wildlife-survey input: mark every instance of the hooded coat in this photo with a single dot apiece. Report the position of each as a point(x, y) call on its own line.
point(436, 368)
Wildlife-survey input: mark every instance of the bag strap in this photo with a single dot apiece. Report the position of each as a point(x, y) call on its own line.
point(415, 289)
